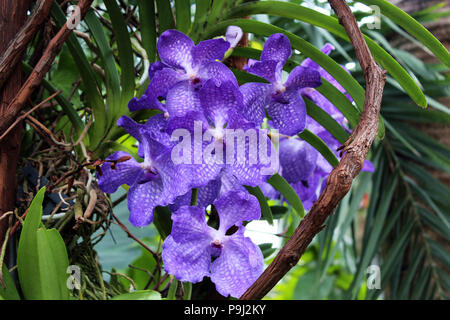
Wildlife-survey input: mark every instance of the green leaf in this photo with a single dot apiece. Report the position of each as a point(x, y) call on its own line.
point(162, 221)
point(183, 15)
point(10, 292)
point(370, 247)
point(147, 24)
point(165, 16)
point(244, 77)
point(216, 10)
point(141, 278)
point(278, 211)
point(125, 52)
point(52, 264)
point(201, 13)
point(341, 102)
point(187, 287)
point(171, 295)
point(139, 295)
point(42, 259)
point(320, 146)
point(266, 249)
point(413, 27)
point(266, 212)
point(294, 11)
point(357, 194)
point(109, 64)
point(91, 88)
point(280, 184)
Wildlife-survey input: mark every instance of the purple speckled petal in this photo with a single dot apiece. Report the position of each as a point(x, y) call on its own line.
point(142, 200)
point(255, 99)
point(269, 191)
point(145, 102)
point(189, 224)
point(126, 172)
point(131, 126)
point(247, 165)
point(157, 126)
point(326, 49)
point(298, 159)
point(217, 71)
point(209, 50)
point(288, 113)
point(176, 178)
point(187, 122)
point(277, 47)
point(234, 207)
point(229, 183)
point(233, 35)
point(187, 261)
point(155, 66)
point(219, 99)
point(323, 103)
point(181, 99)
point(149, 145)
point(269, 70)
point(206, 196)
point(160, 83)
point(250, 63)
point(324, 74)
point(174, 48)
point(323, 166)
point(301, 77)
point(307, 190)
point(368, 166)
point(238, 266)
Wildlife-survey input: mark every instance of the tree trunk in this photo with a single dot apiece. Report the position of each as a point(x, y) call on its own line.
point(13, 14)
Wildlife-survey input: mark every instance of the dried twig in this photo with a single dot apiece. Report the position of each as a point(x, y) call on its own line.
point(130, 235)
point(19, 119)
point(340, 179)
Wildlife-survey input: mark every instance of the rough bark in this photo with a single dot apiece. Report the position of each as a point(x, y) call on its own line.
point(13, 15)
point(340, 179)
point(13, 53)
point(42, 67)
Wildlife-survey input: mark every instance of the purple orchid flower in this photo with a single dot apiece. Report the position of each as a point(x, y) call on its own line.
point(285, 105)
point(225, 183)
point(221, 103)
point(156, 181)
point(189, 249)
point(182, 70)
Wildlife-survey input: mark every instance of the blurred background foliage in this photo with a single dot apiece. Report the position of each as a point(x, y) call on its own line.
point(396, 218)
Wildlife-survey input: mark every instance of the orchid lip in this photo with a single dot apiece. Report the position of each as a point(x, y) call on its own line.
point(216, 244)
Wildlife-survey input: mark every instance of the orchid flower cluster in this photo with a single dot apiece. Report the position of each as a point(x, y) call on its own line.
point(204, 179)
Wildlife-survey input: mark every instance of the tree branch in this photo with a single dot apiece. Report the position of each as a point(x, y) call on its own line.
point(13, 53)
point(339, 181)
point(43, 66)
